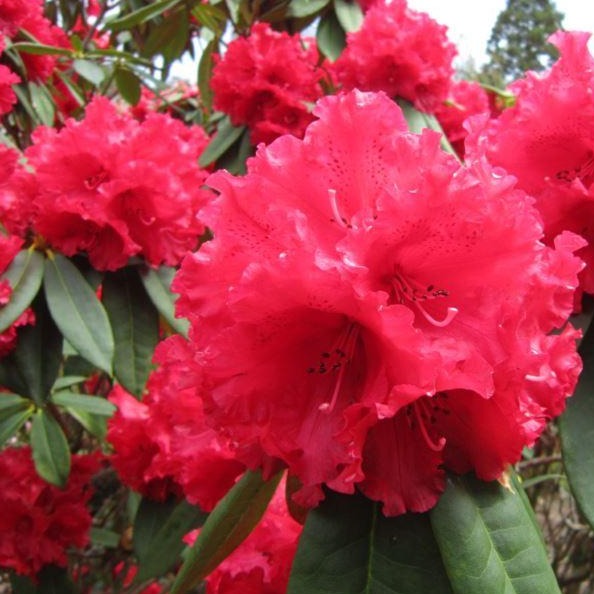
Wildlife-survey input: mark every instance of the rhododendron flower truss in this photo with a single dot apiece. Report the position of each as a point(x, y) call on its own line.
point(267, 81)
point(39, 521)
point(162, 445)
point(114, 188)
point(378, 312)
point(547, 141)
point(400, 51)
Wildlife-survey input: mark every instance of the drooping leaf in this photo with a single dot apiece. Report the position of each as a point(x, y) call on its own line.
point(305, 8)
point(24, 275)
point(50, 448)
point(128, 84)
point(158, 287)
point(32, 367)
point(91, 404)
point(11, 420)
point(226, 135)
point(227, 526)
point(135, 324)
point(142, 15)
point(488, 540)
point(40, 49)
point(158, 532)
point(89, 70)
point(43, 103)
point(576, 426)
point(349, 546)
point(78, 312)
point(234, 159)
point(170, 37)
point(205, 68)
point(349, 13)
point(330, 36)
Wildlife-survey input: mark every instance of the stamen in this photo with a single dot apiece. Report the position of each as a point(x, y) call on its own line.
point(334, 206)
point(452, 311)
point(338, 360)
point(436, 447)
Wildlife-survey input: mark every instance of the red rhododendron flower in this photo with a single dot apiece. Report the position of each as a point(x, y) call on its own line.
point(266, 81)
point(400, 51)
point(114, 188)
point(547, 141)
point(39, 521)
point(162, 445)
point(363, 326)
point(7, 79)
point(262, 563)
point(465, 99)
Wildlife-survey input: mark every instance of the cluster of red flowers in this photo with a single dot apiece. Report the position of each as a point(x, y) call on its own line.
point(112, 187)
point(39, 521)
point(400, 51)
point(163, 445)
point(268, 81)
point(546, 140)
point(404, 324)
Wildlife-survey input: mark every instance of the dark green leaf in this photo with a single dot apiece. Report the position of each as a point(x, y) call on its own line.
point(349, 546)
point(226, 135)
point(305, 8)
point(24, 274)
point(577, 432)
point(205, 72)
point(90, 71)
point(330, 36)
point(50, 449)
point(67, 381)
point(10, 403)
point(234, 160)
point(170, 37)
point(158, 287)
point(105, 538)
point(12, 420)
point(158, 532)
point(31, 369)
point(78, 313)
point(211, 17)
point(489, 541)
point(142, 15)
point(50, 580)
point(349, 14)
point(40, 49)
point(228, 525)
point(128, 85)
point(135, 324)
point(91, 404)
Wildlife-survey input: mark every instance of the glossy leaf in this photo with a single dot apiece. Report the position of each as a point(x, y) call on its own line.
point(349, 14)
point(158, 287)
point(158, 532)
point(330, 36)
point(92, 404)
point(24, 275)
point(32, 367)
point(135, 325)
point(305, 8)
point(489, 540)
point(142, 15)
point(78, 313)
point(227, 526)
point(128, 85)
point(349, 546)
point(95, 424)
point(50, 449)
point(577, 432)
point(89, 70)
point(225, 136)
